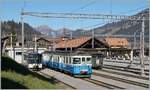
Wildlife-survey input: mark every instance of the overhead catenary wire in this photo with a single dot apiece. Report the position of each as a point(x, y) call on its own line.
point(81, 16)
point(133, 10)
point(85, 6)
point(95, 25)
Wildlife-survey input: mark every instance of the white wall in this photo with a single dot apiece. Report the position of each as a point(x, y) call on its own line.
point(18, 53)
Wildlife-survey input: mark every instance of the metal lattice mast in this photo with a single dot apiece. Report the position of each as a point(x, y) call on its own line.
point(92, 38)
point(22, 29)
point(142, 48)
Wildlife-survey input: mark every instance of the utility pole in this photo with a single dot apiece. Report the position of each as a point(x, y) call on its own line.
point(135, 44)
point(53, 41)
point(22, 29)
point(134, 47)
point(65, 45)
point(92, 38)
point(149, 41)
point(35, 44)
point(71, 39)
point(142, 47)
point(0, 41)
point(53, 44)
point(11, 45)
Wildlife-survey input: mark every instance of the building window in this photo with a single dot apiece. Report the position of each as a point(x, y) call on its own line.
point(18, 53)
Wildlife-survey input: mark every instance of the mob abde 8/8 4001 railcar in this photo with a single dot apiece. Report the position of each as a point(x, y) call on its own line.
point(78, 65)
point(33, 60)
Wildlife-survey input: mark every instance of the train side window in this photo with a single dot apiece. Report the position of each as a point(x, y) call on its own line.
point(58, 59)
point(88, 60)
point(54, 58)
point(66, 60)
point(70, 60)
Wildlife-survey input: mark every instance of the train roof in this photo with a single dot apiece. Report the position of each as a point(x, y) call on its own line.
point(67, 53)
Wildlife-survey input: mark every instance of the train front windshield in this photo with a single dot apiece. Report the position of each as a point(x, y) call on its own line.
point(76, 60)
point(34, 58)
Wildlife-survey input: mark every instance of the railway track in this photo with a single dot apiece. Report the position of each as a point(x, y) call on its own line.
point(103, 84)
point(98, 82)
point(122, 80)
point(135, 71)
point(124, 73)
point(48, 76)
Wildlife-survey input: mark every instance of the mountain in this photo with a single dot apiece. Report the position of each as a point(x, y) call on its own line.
point(123, 27)
point(9, 27)
point(45, 30)
point(63, 32)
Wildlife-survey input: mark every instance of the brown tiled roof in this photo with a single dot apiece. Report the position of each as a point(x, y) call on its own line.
point(72, 43)
point(117, 42)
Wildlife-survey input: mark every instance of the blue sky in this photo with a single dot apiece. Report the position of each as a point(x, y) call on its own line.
point(10, 9)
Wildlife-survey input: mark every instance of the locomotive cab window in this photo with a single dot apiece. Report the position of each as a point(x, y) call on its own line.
point(18, 53)
point(76, 61)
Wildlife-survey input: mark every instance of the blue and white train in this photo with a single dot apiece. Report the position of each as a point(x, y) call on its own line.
point(78, 65)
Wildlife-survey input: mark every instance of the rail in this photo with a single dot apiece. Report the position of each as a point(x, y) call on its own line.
point(103, 84)
point(122, 80)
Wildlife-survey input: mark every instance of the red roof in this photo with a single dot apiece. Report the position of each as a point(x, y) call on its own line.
point(117, 42)
point(72, 43)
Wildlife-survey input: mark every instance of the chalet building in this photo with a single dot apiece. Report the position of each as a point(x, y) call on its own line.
point(46, 42)
point(43, 42)
point(118, 48)
point(81, 44)
point(117, 42)
point(111, 47)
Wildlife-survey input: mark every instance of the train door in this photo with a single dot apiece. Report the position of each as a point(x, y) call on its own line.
point(60, 61)
point(101, 60)
point(39, 59)
point(94, 65)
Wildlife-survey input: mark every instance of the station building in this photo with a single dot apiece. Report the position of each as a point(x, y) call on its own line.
point(110, 47)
